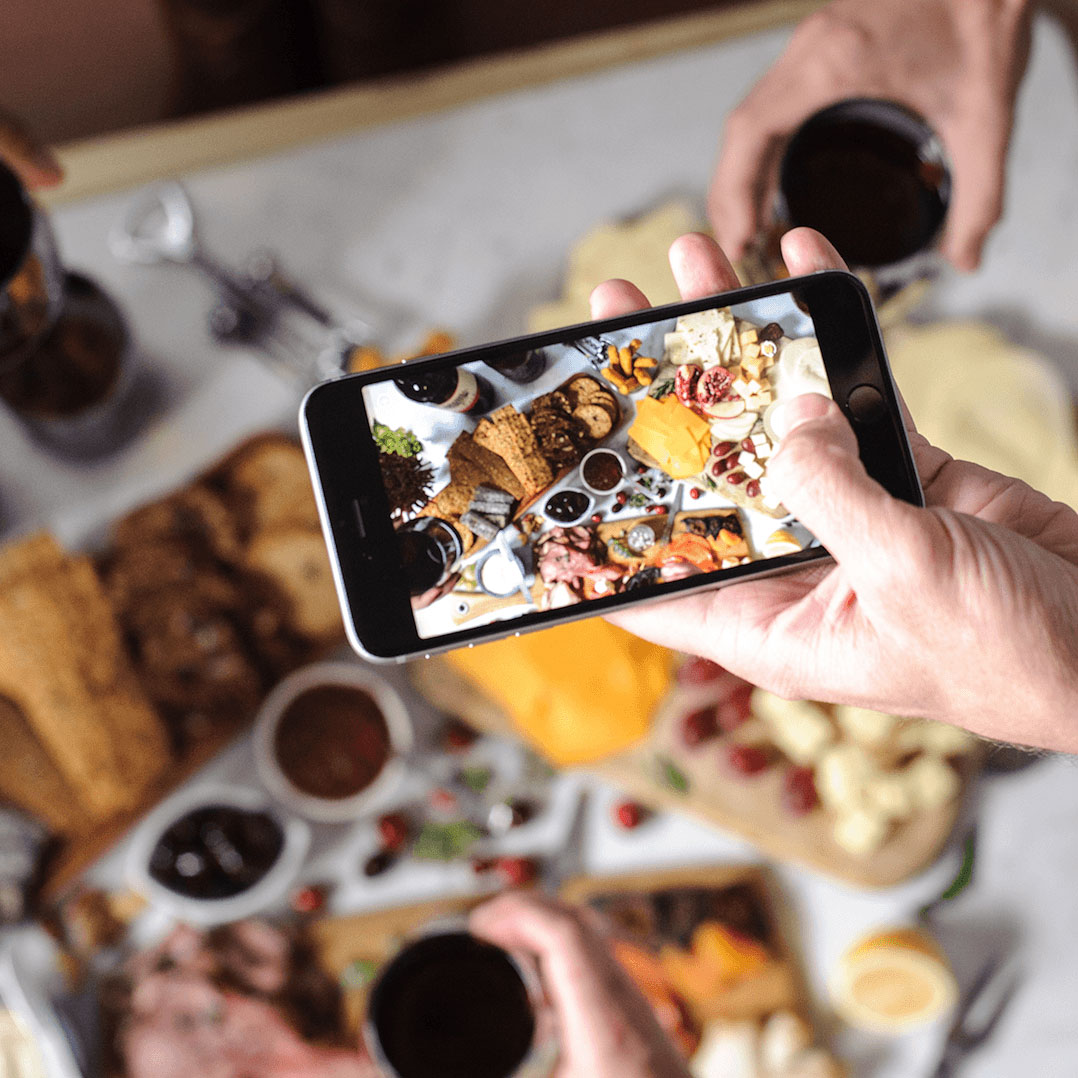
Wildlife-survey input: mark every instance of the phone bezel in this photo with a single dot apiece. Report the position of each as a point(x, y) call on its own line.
point(343, 460)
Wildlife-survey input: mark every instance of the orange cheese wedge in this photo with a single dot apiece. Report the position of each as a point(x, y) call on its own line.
point(675, 436)
point(577, 693)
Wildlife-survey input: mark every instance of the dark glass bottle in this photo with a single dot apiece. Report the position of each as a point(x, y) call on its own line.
point(522, 367)
point(452, 388)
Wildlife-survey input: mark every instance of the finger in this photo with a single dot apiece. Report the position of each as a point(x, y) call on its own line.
point(978, 175)
point(740, 185)
point(818, 474)
point(700, 267)
point(31, 160)
point(804, 250)
point(615, 297)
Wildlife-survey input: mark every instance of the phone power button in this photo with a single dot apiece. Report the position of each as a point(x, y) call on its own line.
point(866, 404)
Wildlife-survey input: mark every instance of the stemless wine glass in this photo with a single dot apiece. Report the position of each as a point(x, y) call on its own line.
point(450, 1005)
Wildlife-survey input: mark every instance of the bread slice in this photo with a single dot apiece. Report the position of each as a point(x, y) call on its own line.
point(487, 464)
point(295, 560)
point(267, 481)
point(63, 666)
point(509, 434)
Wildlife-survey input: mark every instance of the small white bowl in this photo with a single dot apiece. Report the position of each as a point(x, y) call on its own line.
point(214, 911)
point(324, 809)
point(617, 456)
point(585, 512)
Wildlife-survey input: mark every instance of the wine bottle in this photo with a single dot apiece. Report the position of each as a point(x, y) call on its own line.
point(455, 389)
point(521, 367)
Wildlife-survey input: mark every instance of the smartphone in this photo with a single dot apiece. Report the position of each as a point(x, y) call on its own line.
point(509, 487)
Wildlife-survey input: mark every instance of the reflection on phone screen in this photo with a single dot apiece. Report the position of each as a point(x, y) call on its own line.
point(593, 468)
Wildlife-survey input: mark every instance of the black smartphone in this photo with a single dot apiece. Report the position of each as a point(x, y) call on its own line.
point(504, 488)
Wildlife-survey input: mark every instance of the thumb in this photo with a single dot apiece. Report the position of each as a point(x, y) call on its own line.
point(818, 474)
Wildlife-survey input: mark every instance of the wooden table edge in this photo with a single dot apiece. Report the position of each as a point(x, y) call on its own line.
point(96, 166)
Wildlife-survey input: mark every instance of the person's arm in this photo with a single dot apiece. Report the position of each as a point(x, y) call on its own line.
point(31, 160)
point(964, 611)
point(956, 62)
point(606, 1028)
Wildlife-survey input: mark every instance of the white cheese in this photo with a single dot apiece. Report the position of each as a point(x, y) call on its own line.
point(860, 831)
point(868, 727)
point(744, 457)
point(890, 795)
point(753, 469)
point(799, 728)
point(842, 773)
point(933, 783)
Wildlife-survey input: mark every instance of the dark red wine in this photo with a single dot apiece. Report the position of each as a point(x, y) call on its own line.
point(453, 388)
point(428, 549)
point(523, 367)
point(452, 1006)
point(870, 176)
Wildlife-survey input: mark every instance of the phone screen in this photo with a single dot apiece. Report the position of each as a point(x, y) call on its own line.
point(595, 467)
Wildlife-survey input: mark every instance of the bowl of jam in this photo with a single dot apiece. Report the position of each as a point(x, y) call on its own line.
point(602, 471)
point(330, 741)
point(216, 853)
point(568, 506)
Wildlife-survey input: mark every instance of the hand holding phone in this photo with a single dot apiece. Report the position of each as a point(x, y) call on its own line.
point(965, 611)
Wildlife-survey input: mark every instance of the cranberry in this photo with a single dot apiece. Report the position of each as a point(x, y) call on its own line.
point(596, 518)
point(729, 462)
point(699, 726)
point(657, 510)
point(457, 736)
point(309, 899)
point(799, 791)
point(442, 800)
point(517, 871)
point(697, 671)
point(716, 468)
point(748, 445)
point(621, 497)
point(723, 448)
point(483, 865)
point(393, 831)
point(747, 759)
point(629, 814)
point(694, 493)
point(641, 469)
point(378, 863)
point(735, 709)
point(752, 488)
point(736, 477)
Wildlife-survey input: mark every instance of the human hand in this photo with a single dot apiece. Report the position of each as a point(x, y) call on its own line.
point(30, 160)
point(606, 1028)
point(964, 611)
point(956, 62)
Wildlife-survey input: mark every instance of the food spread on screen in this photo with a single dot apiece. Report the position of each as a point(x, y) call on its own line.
point(626, 460)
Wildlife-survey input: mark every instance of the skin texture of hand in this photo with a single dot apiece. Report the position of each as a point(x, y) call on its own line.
point(606, 1028)
point(28, 158)
point(964, 611)
point(956, 62)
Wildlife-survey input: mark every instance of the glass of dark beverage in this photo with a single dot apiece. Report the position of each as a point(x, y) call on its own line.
point(450, 1005)
point(430, 548)
point(873, 177)
point(65, 350)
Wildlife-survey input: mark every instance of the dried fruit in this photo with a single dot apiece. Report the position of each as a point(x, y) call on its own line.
point(483, 865)
point(748, 445)
point(752, 488)
point(735, 709)
point(621, 497)
point(799, 791)
point(723, 448)
point(457, 736)
point(309, 899)
point(517, 871)
point(694, 493)
point(699, 726)
point(736, 478)
point(379, 862)
point(596, 518)
point(747, 759)
point(629, 814)
point(393, 830)
point(729, 462)
point(442, 800)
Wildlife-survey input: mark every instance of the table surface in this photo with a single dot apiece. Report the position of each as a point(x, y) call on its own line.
point(463, 218)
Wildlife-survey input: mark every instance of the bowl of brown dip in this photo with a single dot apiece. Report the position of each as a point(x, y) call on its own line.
point(329, 741)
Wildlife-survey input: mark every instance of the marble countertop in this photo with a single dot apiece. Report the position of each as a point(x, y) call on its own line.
point(463, 218)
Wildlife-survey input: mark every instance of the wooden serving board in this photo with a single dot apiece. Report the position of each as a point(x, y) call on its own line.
point(376, 936)
point(750, 807)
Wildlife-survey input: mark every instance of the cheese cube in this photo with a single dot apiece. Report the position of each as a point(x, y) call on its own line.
point(799, 728)
point(938, 738)
point(933, 783)
point(748, 335)
point(728, 1050)
point(763, 451)
point(842, 773)
point(860, 831)
point(890, 795)
point(744, 457)
point(867, 727)
point(741, 387)
point(753, 469)
point(784, 1037)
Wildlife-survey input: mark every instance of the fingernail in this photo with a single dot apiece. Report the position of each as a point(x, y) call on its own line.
point(789, 415)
